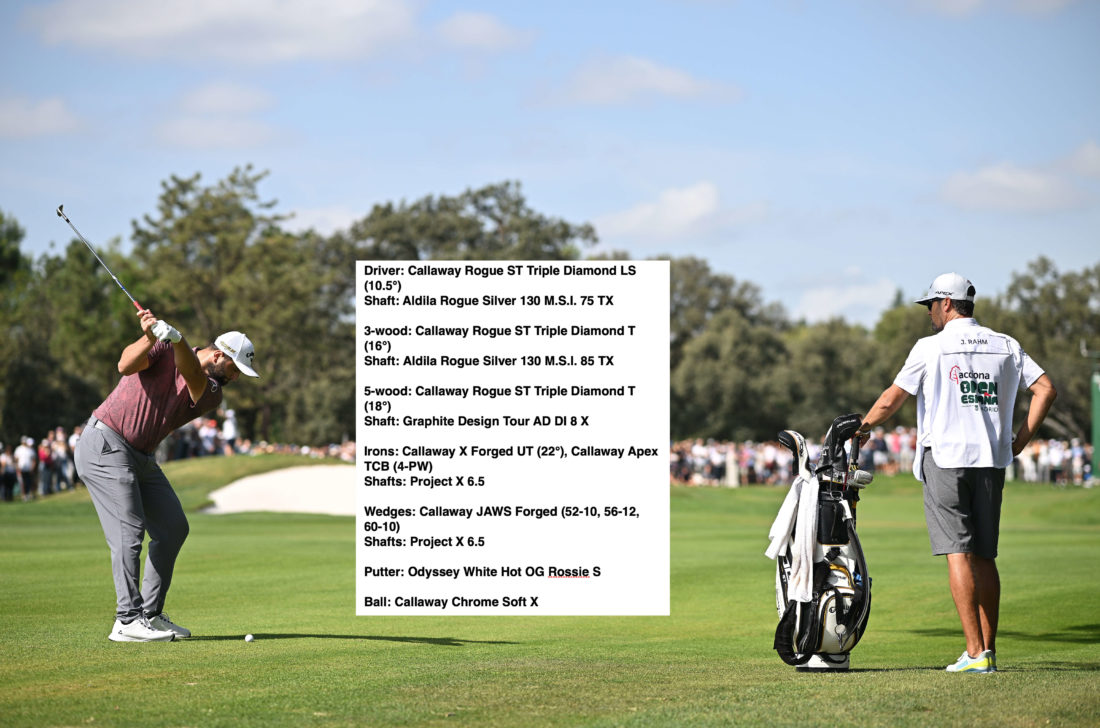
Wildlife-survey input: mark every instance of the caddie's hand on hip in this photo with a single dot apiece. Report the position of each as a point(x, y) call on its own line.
point(164, 331)
point(1020, 441)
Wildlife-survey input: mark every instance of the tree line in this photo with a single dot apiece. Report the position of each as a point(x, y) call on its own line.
point(215, 257)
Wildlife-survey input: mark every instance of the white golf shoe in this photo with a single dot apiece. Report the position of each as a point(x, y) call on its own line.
point(139, 631)
point(163, 623)
point(984, 662)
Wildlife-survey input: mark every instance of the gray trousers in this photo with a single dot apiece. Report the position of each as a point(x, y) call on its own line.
point(132, 496)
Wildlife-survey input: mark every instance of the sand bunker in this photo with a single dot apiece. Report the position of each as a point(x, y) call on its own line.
point(326, 489)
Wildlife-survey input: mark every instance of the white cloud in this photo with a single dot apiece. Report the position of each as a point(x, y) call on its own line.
point(324, 220)
point(629, 79)
point(1085, 160)
point(481, 32)
point(255, 31)
point(22, 117)
point(859, 301)
point(676, 212)
point(225, 98)
point(195, 132)
point(1009, 188)
point(218, 115)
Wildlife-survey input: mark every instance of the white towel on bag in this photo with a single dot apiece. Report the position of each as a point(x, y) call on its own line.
point(796, 526)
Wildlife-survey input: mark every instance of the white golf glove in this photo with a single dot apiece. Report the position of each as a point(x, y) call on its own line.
point(164, 331)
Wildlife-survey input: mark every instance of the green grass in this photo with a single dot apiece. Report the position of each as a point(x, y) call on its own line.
point(289, 579)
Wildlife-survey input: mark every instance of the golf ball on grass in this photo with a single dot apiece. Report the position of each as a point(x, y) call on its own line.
point(248, 638)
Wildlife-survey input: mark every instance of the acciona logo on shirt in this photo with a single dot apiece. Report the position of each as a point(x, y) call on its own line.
point(976, 389)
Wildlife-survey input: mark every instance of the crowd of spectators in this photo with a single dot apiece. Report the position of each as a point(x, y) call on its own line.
point(712, 462)
point(28, 471)
point(1056, 461)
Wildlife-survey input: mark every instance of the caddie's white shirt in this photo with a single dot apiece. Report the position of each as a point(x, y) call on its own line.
point(966, 379)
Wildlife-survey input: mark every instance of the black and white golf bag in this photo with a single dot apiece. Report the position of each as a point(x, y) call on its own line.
point(822, 588)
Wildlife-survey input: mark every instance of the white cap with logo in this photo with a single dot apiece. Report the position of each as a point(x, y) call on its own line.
point(949, 285)
point(239, 349)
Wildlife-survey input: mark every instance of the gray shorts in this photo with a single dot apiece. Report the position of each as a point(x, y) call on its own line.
point(962, 507)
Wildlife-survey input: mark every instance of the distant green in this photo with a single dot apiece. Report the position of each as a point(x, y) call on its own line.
point(289, 579)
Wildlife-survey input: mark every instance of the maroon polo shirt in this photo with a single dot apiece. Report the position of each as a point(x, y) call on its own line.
point(147, 406)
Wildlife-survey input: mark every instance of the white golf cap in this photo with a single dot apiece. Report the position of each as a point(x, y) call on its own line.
point(239, 349)
point(949, 285)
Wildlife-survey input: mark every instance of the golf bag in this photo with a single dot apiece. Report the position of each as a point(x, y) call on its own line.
point(822, 588)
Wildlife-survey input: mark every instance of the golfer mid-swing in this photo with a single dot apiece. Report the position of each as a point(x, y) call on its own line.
point(165, 384)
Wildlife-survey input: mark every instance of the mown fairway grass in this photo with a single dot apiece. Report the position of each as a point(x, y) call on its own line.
point(289, 580)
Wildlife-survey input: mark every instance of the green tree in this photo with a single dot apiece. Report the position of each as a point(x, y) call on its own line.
point(14, 275)
point(191, 249)
point(215, 260)
point(609, 255)
point(12, 260)
point(286, 297)
point(1051, 314)
point(37, 392)
point(897, 329)
point(491, 223)
point(833, 369)
point(696, 294)
point(91, 319)
point(726, 386)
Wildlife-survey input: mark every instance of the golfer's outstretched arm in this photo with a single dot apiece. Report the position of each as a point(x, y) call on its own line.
point(1043, 395)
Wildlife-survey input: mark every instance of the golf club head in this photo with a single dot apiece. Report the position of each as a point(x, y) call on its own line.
point(860, 478)
point(842, 429)
point(797, 445)
point(61, 211)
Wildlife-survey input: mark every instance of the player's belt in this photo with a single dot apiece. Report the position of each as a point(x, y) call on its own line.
point(104, 427)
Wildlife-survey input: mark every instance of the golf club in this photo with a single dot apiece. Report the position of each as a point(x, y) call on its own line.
point(794, 442)
point(61, 214)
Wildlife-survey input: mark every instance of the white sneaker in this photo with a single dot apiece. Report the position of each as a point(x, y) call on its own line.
point(164, 624)
point(984, 662)
point(139, 631)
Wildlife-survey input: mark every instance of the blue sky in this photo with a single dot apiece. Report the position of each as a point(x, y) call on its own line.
point(832, 152)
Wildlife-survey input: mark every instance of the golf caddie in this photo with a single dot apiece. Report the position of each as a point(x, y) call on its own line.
point(165, 384)
point(966, 378)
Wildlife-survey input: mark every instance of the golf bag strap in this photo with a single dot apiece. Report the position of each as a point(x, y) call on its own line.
point(784, 638)
point(863, 592)
point(810, 632)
